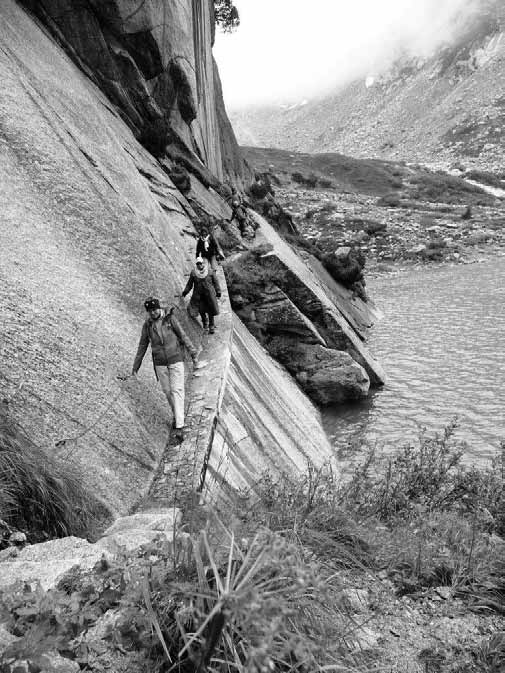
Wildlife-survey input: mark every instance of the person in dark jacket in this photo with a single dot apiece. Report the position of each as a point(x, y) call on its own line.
point(239, 213)
point(167, 337)
point(206, 292)
point(208, 248)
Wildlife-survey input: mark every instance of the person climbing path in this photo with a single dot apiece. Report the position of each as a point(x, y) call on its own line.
point(208, 248)
point(164, 332)
point(239, 213)
point(206, 291)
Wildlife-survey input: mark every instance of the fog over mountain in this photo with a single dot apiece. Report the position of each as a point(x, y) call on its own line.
point(285, 50)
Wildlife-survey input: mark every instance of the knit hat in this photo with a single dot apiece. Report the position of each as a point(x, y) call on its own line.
point(151, 304)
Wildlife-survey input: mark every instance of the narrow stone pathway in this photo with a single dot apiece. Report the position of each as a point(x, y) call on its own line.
point(182, 468)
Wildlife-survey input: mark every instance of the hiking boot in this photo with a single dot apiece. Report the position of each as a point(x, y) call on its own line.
point(212, 329)
point(179, 434)
point(205, 324)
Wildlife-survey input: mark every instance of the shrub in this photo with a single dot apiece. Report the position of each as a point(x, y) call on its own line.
point(226, 15)
point(485, 177)
point(373, 228)
point(258, 190)
point(250, 605)
point(309, 181)
point(326, 184)
point(275, 599)
point(441, 187)
point(436, 243)
point(37, 494)
point(247, 277)
point(430, 476)
point(310, 507)
point(347, 270)
point(389, 200)
point(423, 517)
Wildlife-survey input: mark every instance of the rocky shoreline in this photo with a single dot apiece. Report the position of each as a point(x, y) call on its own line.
point(396, 237)
point(396, 213)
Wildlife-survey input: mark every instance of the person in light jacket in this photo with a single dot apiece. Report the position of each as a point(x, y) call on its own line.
point(206, 292)
point(167, 337)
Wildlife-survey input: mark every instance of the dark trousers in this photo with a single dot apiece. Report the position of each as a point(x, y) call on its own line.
point(207, 319)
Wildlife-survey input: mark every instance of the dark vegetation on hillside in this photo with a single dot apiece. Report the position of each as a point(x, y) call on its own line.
point(250, 278)
point(397, 183)
point(348, 270)
point(487, 178)
point(262, 586)
point(370, 176)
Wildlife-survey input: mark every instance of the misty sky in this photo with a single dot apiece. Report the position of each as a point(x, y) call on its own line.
point(285, 50)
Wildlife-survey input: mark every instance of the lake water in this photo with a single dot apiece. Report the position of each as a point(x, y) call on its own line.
point(442, 344)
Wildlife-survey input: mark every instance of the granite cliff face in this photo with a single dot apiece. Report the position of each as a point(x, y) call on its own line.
point(91, 224)
point(154, 62)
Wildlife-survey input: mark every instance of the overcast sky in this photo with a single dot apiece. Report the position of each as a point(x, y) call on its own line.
point(285, 50)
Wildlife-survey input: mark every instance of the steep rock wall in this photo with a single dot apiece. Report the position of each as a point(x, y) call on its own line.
point(153, 59)
point(267, 424)
point(90, 224)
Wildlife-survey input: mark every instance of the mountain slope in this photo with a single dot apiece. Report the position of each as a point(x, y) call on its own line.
point(449, 106)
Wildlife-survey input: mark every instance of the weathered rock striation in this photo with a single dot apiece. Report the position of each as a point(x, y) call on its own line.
point(154, 62)
point(327, 375)
point(308, 322)
point(91, 224)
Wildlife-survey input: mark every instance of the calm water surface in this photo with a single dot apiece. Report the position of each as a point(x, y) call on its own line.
point(442, 344)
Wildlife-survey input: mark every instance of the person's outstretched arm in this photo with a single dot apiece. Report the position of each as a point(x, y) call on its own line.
point(141, 350)
point(189, 285)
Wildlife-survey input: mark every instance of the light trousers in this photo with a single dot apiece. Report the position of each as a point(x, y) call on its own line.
point(171, 378)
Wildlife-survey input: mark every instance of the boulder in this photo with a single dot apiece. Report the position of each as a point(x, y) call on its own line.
point(342, 252)
point(48, 662)
point(328, 376)
point(278, 315)
point(307, 293)
point(6, 638)
point(17, 538)
point(132, 532)
point(47, 562)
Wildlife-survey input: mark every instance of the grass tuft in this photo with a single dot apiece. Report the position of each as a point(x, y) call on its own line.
point(38, 494)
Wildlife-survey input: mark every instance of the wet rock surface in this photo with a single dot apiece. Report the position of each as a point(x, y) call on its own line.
point(327, 375)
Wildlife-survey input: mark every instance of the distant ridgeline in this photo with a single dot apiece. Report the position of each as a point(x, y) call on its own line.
point(462, 87)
